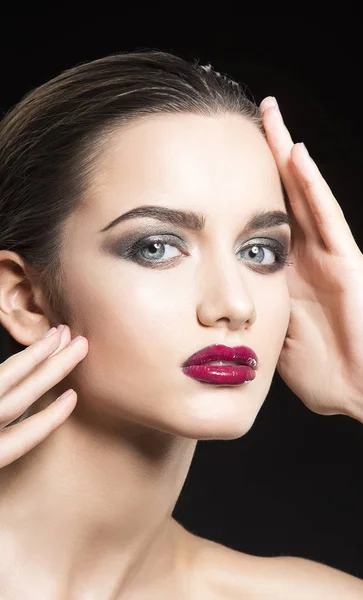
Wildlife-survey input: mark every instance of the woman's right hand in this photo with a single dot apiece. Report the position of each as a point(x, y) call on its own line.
point(24, 378)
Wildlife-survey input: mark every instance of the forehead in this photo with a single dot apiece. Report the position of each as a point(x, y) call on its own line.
point(186, 161)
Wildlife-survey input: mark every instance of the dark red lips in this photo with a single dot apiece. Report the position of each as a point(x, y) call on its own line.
point(242, 371)
point(241, 355)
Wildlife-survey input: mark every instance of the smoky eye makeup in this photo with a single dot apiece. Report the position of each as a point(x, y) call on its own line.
point(122, 243)
point(131, 246)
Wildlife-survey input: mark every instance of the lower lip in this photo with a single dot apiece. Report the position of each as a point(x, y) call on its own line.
point(221, 375)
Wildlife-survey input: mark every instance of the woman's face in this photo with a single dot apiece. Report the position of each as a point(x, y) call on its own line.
point(144, 314)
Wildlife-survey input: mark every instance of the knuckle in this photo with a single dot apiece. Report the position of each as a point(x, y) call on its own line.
point(35, 356)
point(8, 413)
point(33, 362)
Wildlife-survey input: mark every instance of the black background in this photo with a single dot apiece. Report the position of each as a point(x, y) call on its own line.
point(293, 484)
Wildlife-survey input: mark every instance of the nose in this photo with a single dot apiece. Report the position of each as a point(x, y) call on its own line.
point(225, 297)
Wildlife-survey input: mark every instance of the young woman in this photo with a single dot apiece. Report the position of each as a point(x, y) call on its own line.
point(150, 211)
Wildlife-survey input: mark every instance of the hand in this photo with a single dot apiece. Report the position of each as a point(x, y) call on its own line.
point(322, 357)
point(26, 376)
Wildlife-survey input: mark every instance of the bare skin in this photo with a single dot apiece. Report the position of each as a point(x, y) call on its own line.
point(226, 574)
point(200, 569)
point(88, 485)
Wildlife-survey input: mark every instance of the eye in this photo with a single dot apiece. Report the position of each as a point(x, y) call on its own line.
point(152, 252)
point(259, 252)
point(273, 252)
point(156, 250)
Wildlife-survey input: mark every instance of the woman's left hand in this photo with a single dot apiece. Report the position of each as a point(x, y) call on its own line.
point(322, 356)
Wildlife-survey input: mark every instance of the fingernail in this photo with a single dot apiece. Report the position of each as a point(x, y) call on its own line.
point(269, 102)
point(79, 337)
point(49, 333)
point(304, 148)
point(65, 395)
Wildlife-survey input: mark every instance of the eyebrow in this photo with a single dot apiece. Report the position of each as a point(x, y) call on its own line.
point(195, 221)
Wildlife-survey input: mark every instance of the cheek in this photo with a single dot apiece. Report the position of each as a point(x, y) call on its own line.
point(130, 320)
point(136, 327)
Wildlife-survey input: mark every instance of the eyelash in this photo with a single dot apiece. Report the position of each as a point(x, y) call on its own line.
point(132, 253)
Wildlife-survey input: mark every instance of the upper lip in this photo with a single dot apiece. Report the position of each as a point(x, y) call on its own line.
point(241, 355)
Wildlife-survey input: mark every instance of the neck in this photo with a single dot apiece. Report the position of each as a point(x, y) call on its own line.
point(92, 507)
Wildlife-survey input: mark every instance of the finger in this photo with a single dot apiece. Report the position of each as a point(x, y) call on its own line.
point(45, 376)
point(327, 212)
point(18, 439)
point(279, 139)
point(281, 144)
point(65, 339)
point(21, 364)
point(267, 103)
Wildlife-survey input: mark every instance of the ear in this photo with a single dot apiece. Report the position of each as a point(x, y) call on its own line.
point(21, 305)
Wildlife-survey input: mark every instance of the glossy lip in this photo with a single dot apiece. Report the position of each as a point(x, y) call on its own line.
point(241, 355)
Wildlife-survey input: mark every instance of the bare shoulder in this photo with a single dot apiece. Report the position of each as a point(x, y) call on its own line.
point(301, 578)
point(223, 573)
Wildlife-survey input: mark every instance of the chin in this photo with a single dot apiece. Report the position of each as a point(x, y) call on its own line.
point(225, 417)
point(222, 429)
point(216, 430)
